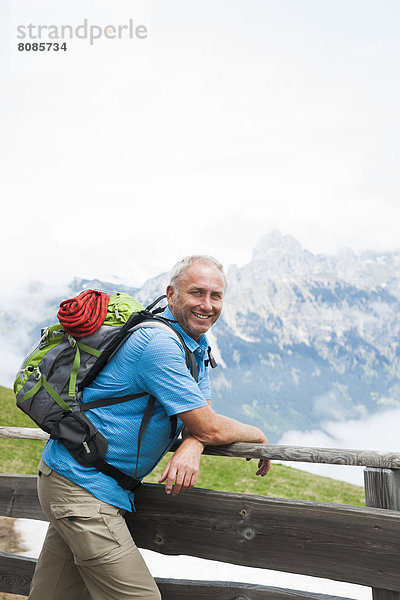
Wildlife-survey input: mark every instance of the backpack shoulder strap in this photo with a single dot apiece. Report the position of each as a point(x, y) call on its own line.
point(161, 323)
point(124, 480)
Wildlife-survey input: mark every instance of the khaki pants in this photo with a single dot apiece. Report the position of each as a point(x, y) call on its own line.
point(88, 553)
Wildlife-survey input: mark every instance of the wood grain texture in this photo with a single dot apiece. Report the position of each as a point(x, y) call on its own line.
point(346, 543)
point(18, 497)
point(223, 590)
point(16, 573)
point(358, 545)
point(382, 490)
point(334, 456)
point(25, 433)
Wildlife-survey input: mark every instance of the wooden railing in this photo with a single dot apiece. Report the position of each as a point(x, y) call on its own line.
point(346, 543)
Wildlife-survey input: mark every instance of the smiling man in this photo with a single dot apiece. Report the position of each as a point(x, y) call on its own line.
point(195, 294)
point(195, 299)
point(88, 552)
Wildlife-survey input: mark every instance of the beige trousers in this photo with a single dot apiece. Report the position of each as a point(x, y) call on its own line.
point(88, 553)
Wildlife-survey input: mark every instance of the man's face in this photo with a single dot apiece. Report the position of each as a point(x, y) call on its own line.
point(197, 302)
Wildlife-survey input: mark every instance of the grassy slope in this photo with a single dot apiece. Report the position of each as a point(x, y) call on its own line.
point(17, 456)
point(238, 475)
point(218, 473)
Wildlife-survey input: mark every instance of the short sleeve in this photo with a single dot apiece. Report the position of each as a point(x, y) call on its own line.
point(162, 372)
point(204, 385)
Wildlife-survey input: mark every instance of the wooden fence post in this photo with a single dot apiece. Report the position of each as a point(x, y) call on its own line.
point(382, 490)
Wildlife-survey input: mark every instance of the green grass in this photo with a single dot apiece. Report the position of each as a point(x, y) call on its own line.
point(17, 456)
point(216, 472)
point(238, 475)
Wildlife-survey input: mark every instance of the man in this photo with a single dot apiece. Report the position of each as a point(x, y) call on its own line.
point(88, 553)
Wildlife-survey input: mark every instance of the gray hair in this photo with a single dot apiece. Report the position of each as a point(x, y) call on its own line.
point(186, 262)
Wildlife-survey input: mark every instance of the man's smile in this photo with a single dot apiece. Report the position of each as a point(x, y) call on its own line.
point(199, 316)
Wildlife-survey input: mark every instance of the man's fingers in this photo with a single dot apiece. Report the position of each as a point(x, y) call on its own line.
point(180, 483)
point(164, 474)
point(184, 482)
point(189, 482)
point(177, 481)
point(264, 466)
point(168, 475)
point(193, 479)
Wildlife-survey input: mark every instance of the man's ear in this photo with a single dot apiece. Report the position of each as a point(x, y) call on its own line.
point(170, 294)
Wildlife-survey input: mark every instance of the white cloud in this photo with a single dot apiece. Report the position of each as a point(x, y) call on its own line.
point(25, 305)
point(377, 432)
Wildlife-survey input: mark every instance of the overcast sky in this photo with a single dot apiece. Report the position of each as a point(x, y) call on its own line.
point(229, 120)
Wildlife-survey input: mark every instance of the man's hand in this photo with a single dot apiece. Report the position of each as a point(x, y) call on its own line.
point(182, 468)
point(264, 464)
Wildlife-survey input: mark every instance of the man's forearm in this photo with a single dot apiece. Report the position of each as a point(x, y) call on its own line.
point(226, 430)
point(211, 428)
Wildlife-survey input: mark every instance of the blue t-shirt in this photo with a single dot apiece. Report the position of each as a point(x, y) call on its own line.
point(152, 360)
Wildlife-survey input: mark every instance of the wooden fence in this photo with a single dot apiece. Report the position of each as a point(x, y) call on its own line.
point(345, 543)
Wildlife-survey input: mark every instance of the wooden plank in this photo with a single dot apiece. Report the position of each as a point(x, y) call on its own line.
point(25, 433)
point(222, 590)
point(334, 456)
point(382, 490)
point(346, 543)
point(18, 497)
point(16, 573)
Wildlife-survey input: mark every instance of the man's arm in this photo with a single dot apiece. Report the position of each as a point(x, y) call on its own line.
point(213, 429)
point(182, 469)
point(203, 426)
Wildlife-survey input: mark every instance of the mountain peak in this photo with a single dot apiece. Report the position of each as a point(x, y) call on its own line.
point(275, 243)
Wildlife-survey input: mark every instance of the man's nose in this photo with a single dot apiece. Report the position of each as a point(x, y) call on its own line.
point(206, 303)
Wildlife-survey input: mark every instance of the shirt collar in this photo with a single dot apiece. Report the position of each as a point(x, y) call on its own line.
point(202, 343)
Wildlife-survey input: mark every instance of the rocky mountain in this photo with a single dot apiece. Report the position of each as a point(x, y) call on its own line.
point(303, 337)
point(308, 337)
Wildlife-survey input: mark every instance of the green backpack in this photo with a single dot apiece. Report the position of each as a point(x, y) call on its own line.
point(51, 380)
